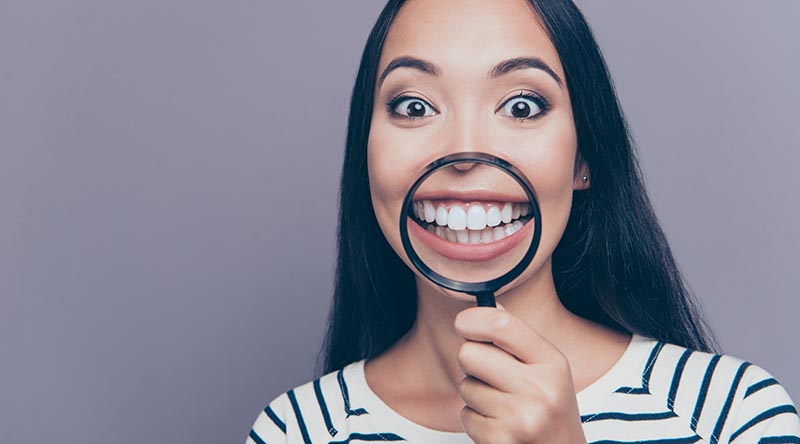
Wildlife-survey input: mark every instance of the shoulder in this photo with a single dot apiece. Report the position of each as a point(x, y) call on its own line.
point(722, 397)
point(309, 412)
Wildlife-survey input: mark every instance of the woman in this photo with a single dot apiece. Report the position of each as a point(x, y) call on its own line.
point(597, 340)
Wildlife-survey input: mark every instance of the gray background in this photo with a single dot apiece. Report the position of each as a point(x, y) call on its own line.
point(168, 180)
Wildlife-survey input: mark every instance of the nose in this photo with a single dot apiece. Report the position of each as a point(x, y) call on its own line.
point(463, 166)
point(467, 131)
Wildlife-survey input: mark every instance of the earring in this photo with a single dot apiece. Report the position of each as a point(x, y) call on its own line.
point(585, 178)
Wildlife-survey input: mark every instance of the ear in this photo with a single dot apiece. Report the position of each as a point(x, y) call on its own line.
point(580, 170)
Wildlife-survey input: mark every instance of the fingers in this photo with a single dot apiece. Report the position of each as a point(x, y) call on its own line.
point(483, 398)
point(491, 365)
point(507, 331)
point(480, 428)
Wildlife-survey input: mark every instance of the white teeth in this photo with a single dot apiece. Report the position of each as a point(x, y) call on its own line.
point(457, 218)
point(476, 217)
point(475, 225)
point(487, 236)
point(474, 236)
point(430, 211)
point(493, 217)
point(499, 233)
point(506, 213)
point(441, 216)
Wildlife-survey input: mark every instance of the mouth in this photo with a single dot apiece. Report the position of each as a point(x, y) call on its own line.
point(462, 221)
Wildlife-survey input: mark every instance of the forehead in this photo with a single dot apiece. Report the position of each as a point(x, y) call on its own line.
point(466, 36)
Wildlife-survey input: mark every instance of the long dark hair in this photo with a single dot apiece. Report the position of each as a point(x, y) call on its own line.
point(613, 264)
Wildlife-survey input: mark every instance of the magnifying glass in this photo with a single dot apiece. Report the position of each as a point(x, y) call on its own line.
point(471, 223)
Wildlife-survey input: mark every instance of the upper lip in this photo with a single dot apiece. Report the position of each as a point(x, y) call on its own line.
point(469, 195)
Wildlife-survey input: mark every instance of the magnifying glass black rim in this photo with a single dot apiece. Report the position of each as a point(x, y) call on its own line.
point(472, 287)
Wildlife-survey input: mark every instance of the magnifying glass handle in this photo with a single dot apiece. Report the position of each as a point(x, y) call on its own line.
point(485, 299)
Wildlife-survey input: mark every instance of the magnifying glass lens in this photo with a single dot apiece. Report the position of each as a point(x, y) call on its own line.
point(470, 222)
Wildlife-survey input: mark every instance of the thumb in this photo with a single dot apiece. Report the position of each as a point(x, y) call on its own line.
point(500, 306)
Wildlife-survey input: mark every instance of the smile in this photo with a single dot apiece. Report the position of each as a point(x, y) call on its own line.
point(471, 222)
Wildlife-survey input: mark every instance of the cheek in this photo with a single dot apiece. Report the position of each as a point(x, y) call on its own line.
point(390, 169)
point(549, 166)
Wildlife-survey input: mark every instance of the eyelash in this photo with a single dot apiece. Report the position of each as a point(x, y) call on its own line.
point(540, 101)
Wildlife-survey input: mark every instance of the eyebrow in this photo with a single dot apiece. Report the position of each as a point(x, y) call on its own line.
point(502, 68)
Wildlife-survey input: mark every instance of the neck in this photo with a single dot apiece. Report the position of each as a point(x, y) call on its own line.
point(432, 343)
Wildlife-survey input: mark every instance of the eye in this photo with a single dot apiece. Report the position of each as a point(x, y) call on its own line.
point(525, 106)
point(408, 107)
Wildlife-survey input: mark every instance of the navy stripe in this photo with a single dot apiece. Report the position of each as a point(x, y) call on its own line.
point(299, 417)
point(686, 440)
point(701, 400)
point(322, 406)
point(370, 437)
point(271, 413)
point(760, 385)
point(786, 408)
point(254, 436)
point(346, 396)
point(779, 439)
point(676, 377)
point(725, 409)
point(645, 388)
point(628, 416)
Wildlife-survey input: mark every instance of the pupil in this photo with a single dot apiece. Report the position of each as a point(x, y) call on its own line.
point(520, 109)
point(416, 109)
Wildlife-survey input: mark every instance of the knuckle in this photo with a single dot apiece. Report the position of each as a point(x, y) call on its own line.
point(462, 386)
point(502, 322)
point(466, 352)
point(551, 400)
point(528, 425)
point(464, 415)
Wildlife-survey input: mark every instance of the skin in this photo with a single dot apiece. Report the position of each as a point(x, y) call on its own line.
point(506, 374)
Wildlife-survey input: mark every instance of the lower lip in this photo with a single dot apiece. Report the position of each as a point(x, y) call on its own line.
point(469, 252)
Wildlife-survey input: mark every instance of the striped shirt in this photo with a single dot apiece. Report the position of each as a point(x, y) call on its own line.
point(656, 393)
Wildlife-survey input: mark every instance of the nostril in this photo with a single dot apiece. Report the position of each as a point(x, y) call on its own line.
point(464, 166)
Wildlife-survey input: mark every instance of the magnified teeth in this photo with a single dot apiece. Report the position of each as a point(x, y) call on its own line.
point(493, 217)
point(430, 211)
point(506, 213)
point(480, 236)
point(474, 236)
point(476, 218)
point(441, 216)
point(470, 216)
point(457, 218)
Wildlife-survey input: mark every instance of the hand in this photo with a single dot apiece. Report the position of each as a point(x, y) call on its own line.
point(518, 388)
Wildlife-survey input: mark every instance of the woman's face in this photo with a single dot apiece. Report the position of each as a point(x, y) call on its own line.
point(459, 95)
